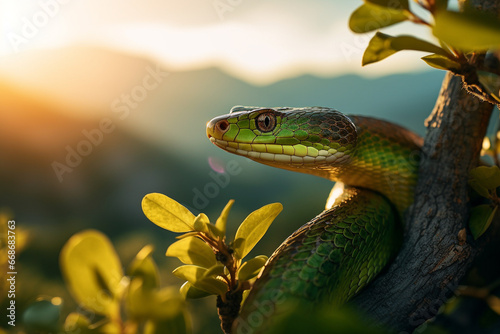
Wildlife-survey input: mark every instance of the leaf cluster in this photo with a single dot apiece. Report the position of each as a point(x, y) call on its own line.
point(212, 265)
point(109, 300)
point(464, 39)
point(485, 181)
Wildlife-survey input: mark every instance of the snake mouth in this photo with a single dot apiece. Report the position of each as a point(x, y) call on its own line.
point(217, 127)
point(278, 154)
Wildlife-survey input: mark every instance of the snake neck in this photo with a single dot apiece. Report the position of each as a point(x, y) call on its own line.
point(386, 160)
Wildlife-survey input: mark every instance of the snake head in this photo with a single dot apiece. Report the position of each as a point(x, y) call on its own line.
point(286, 136)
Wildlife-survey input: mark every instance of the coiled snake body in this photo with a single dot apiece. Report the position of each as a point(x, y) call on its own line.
point(341, 250)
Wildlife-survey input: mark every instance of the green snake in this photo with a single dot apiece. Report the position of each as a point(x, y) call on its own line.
point(337, 253)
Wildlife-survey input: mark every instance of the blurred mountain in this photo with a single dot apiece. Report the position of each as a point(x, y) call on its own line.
point(54, 101)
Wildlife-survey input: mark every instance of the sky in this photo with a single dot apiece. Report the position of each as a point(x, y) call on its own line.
point(259, 41)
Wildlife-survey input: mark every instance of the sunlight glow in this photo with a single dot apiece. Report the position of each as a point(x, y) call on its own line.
point(335, 193)
point(259, 42)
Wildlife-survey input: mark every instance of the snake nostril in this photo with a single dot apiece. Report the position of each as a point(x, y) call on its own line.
point(222, 125)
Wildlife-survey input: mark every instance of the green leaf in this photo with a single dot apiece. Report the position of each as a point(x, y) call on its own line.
point(144, 266)
point(167, 213)
point(442, 62)
point(480, 189)
point(179, 324)
point(369, 17)
point(214, 232)
point(238, 246)
point(190, 273)
point(187, 235)
point(468, 31)
point(222, 220)
point(188, 291)
point(216, 270)
point(487, 177)
point(92, 271)
point(196, 277)
point(212, 285)
point(254, 227)
point(106, 327)
point(77, 323)
point(382, 46)
point(251, 268)
point(192, 251)
point(491, 82)
point(142, 304)
point(396, 4)
point(200, 223)
point(480, 219)
point(43, 315)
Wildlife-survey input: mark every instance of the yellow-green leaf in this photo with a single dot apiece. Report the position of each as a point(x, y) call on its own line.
point(396, 4)
point(479, 188)
point(216, 270)
point(188, 291)
point(214, 232)
point(77, 323)
point(486, 176)
point(222, 220)
point(200, 223)
point(178, 324)
point(480, 219)
point(442, 62)
point(187, 235)
point(369, 17)
point(190, 273)
point(468, 30)
point(144, 266)
point(212, 285)
point(491, 82)
point(254, 227)
point(494, 303)
point(192, 251)
point(251, 268)
point(142, 304)
point(167, 213)
point(382, 46)
point(238, 247)
point(106, 327)
point(93, 272)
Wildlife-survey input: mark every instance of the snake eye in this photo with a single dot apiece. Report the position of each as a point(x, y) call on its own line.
point(266, 122)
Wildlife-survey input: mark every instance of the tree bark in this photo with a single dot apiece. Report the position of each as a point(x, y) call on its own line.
point(438, 248)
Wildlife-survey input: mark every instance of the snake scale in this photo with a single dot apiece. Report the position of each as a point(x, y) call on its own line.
point(337, 253)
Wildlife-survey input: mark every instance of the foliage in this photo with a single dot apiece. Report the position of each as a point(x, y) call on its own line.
point(462, 38)
point(212, 266)
point(484, 180)
point(105, 295)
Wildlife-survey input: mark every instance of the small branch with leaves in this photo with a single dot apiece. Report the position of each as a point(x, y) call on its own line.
point(212, 265)
point(469, 41)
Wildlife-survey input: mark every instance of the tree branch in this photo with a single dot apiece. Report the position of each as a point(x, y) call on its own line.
point(438, 248)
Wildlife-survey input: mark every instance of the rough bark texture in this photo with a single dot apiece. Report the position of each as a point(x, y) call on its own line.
point(438, 248)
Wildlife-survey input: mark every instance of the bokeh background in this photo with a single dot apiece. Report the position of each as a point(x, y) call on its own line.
point(155, 72)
